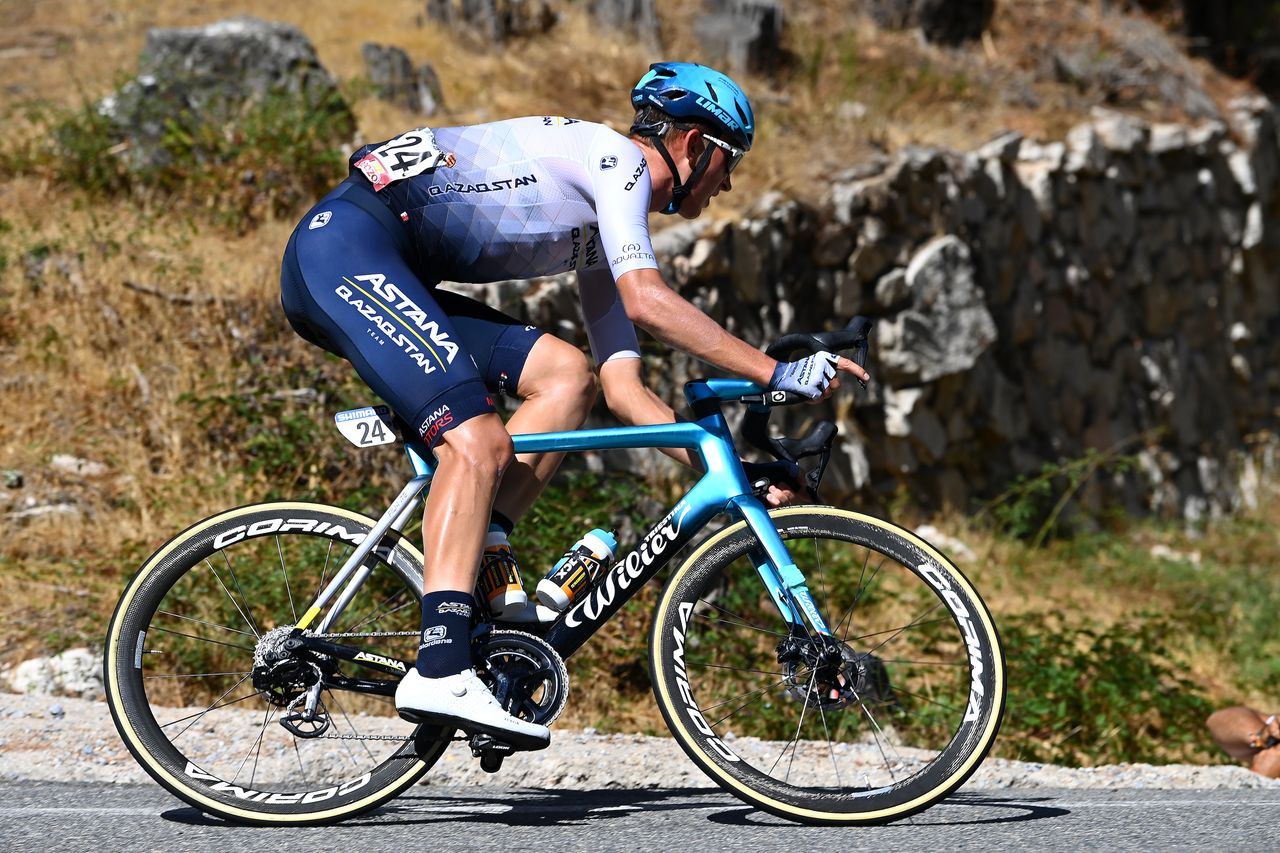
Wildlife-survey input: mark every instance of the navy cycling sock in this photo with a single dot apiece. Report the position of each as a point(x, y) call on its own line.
point(497, 519)
point(446, 633)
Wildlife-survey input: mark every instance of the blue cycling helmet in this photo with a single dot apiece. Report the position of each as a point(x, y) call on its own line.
point(685, 90)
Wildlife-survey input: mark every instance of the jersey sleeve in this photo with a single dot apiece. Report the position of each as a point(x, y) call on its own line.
point(610, 331)
point(620, 182)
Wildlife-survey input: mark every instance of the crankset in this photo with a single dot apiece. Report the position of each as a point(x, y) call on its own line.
point(525, 674)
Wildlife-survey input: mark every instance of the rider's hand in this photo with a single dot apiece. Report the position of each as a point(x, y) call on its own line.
point(815, 376)
point(786, 483)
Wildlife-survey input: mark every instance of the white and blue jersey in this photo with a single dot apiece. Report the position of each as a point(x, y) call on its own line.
point(511, 199)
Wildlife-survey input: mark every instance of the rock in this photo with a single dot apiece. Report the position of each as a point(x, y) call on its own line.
point(195, 77)
point(852, 111)
point(1004, 147)
point(638, 18)
point(396, 80)
point(948, 324)
point(75, 672)
point(940, 21)
point(494, 22)
point(77, 466)
point(745, 36)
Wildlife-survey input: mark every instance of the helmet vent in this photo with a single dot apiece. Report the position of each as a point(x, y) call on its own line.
point(714, 96)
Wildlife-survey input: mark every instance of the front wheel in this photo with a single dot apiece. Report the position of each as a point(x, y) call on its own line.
point(872, 724)
point(206, 694)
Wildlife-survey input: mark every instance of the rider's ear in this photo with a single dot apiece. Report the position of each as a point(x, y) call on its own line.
point(693, 143)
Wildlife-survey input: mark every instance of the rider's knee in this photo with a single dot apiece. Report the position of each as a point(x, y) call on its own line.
point(482, 444)
point(561, 373)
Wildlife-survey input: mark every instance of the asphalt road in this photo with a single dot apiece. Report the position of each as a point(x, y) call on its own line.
point(70, 817)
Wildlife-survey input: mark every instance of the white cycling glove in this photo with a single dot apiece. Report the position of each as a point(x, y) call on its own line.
point(808, 377)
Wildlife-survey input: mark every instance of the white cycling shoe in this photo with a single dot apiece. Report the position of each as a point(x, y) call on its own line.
point(465, 702)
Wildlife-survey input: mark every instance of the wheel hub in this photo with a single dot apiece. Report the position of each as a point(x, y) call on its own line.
point(279, 672)
point(828, 673)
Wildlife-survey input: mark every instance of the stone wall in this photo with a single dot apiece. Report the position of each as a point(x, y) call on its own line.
point(1116, 292)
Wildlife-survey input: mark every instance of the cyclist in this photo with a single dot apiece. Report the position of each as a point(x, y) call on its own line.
point(517, 199)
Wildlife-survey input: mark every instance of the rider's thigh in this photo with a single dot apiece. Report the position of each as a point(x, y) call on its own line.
point(482, 446)
point(348, 287)
point(499, 343)
point(557, 370)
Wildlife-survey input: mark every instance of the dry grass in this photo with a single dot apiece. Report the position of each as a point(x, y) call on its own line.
point(94, 367)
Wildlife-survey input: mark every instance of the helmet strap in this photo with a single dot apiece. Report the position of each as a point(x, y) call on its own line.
point(679, 189)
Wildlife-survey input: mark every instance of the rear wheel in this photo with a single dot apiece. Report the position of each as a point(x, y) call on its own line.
point(206, 694)
point(876, 722)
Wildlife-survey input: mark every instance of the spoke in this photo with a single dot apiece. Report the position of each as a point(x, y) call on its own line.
point(900, 629)
point(831, 750)
point(864, 583)
point(690, 663)
point(203, 622)
point(747, 696)
point(285, 571)
point(912, 624)
point(255, 750)
point(199, 715)
point(248, 620)
point(200, 639)
point(324, 571)
point(926, 662)
point(351, 726)
point(876, 731)
point(302, 771)
point(795, 741)
point(923, 698)
point(198, 675)
point(383, 609)
point(737, 620)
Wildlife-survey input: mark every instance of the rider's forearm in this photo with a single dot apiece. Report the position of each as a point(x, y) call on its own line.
point(631, 402)
point(672, 319)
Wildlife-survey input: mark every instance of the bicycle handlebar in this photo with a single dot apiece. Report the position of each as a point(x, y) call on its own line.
point(755, 426)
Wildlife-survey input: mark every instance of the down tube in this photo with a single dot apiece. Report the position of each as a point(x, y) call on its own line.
point(628, 575)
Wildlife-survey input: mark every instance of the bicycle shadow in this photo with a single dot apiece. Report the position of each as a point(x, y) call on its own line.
point(550, 808)
point(943, 813)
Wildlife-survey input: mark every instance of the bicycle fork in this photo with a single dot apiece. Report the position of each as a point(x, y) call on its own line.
point(779, 573)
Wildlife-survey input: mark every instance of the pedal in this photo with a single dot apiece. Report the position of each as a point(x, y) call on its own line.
point(490, 751)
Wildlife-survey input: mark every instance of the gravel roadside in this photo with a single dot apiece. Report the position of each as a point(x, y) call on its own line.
point(45, 738)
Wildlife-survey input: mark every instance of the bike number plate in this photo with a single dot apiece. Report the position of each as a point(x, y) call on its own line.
point(409, 154)
point(367, 427)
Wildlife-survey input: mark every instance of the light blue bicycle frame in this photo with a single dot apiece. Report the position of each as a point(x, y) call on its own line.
point(723, 488)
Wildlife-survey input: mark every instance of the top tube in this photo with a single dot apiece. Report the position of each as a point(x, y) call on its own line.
point(709, 435)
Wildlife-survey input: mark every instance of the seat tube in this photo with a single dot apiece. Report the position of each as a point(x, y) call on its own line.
point(784, 580)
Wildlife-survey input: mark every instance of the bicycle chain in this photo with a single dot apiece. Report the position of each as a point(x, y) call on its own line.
point(372, 634)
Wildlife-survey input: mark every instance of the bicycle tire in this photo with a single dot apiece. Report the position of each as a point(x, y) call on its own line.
point(183, 633)
point(918, 712)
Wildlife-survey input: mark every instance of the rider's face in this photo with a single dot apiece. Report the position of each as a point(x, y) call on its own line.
point(713, 181)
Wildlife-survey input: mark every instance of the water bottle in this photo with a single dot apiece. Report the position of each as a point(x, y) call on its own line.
point(576, 570)
point(499, 581)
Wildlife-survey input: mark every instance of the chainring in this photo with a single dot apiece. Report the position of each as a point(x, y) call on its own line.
point(525, 673)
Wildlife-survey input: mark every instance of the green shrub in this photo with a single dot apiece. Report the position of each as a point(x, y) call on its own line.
point(1093, 695)
point(277, 154)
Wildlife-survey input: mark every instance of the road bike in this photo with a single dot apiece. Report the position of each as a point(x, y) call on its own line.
point(818, 663)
